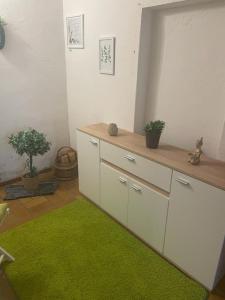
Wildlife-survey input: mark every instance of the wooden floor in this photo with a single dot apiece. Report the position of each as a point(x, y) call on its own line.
point(24, 210)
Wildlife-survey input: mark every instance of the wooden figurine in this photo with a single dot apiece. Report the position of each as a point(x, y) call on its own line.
point(195, 156)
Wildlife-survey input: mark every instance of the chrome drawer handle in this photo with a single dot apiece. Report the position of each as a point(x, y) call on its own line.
point(122, 180)
point(136, 188)
point(130, 158)
point(183, 181)
point(94, 142)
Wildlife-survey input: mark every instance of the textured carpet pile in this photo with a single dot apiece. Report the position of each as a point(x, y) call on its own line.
point(78, 252)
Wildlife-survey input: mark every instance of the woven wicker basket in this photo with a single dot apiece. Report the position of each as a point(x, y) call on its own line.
point(66, 164)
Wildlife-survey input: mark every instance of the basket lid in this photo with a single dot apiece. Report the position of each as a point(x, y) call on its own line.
point(66, 157)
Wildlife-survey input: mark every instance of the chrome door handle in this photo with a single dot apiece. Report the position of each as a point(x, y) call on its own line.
point(182, 181)
point(136, 188)
point(130, 158)
point(94, 142)
point(122, 180)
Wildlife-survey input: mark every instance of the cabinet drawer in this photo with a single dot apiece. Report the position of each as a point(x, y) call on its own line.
point(148, 170)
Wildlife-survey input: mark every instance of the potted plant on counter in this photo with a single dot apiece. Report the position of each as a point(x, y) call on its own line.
point(153, 131)
point(32, 143)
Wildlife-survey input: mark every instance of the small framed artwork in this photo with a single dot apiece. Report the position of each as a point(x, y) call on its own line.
point(107, 55)
point(75, 32)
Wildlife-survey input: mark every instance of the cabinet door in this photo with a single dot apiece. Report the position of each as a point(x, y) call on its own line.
point(88, 165)
point(114, 193)
point(195, 228)
point(147, 213)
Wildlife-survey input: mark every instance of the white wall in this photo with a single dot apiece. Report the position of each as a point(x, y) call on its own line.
point(32, 78)
point(180, 78)
point(187, 77)
point(94, 97)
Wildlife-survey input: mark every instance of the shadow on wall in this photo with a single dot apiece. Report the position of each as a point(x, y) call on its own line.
point(17, 166)
point(14, 161)
point(16, 52)
point(222, 145)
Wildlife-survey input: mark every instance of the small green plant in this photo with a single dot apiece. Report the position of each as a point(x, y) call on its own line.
point(155, 126)
point(32, 143)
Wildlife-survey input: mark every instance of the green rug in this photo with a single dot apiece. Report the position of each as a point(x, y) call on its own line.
point(78, 252)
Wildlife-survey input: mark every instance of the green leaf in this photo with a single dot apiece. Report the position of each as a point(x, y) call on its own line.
point(155, 126)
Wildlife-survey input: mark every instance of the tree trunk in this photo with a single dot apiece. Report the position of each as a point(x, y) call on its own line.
point(31, 165)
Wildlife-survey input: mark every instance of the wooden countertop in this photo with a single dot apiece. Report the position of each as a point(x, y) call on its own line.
point(209, 171)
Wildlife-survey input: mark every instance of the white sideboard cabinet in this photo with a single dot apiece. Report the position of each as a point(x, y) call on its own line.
point(176, 208)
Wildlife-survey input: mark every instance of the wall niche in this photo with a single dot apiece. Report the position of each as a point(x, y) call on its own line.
point(181, 74)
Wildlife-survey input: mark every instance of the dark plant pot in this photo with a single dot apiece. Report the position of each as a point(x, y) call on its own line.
point(152, 139)
point(30, 183)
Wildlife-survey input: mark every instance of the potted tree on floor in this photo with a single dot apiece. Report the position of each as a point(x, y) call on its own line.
point(32, 143)
point(153, 131)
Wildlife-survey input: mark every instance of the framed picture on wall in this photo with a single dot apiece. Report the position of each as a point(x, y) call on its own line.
point(75, 32)
point(107, 55)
